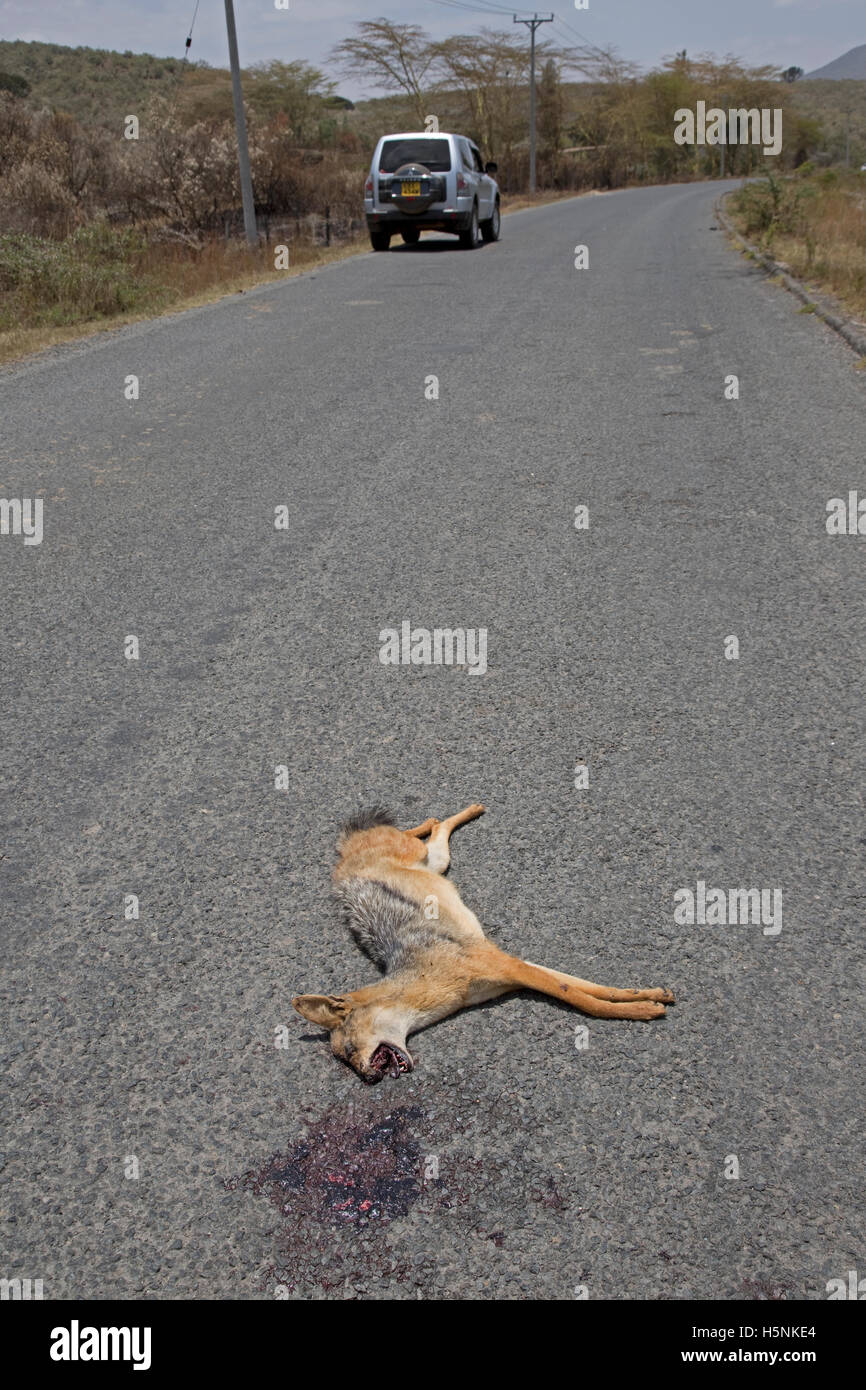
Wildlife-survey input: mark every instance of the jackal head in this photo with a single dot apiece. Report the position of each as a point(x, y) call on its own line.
point(370, 1037)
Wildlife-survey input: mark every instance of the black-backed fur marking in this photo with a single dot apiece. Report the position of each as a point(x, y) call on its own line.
point(368, 820)
point(387, 926)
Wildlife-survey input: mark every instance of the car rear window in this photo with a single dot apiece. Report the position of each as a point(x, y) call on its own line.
point(435, 155)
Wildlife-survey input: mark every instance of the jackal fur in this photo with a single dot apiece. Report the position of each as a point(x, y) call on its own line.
point(413, 923)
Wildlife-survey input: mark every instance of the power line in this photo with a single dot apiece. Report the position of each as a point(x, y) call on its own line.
point(188, 44)
point(479, 7)
point(587, 43)
point(182, 68)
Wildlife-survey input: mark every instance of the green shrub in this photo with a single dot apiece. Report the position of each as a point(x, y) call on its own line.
point(774, 206)
point(754, 204)
point(91, 274)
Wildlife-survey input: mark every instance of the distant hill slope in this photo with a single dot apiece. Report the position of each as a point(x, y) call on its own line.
point(851, 64)
point(96, 85)
point(100, 87)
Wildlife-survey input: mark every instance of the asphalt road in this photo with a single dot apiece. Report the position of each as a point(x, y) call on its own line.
point(148, 1046)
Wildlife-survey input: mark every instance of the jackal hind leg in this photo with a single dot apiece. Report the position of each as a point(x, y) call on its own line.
point(438, 850)
point(613, 996)
point(642, 1004)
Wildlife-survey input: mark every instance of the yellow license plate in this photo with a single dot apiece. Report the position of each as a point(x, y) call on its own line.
point(411, 190)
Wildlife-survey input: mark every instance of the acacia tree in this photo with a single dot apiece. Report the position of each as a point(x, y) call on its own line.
point(602, 64)
point(296, 90)
point(394, 57)
point(550, 109)
point(488, 69)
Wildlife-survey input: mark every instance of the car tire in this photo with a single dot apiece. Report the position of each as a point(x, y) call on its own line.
point(490, 228)
point(469, 238)
point(411, 236)
point(380, 240)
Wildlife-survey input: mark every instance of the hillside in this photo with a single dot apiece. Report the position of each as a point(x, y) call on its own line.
point(100, 87)
point(836, 106)
point(95, 85)
point(851, 65)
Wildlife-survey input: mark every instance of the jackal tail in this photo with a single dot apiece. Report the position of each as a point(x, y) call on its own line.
point(367, 819)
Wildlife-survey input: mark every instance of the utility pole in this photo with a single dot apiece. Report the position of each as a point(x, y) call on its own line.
point(241, 123)
point(532, 25)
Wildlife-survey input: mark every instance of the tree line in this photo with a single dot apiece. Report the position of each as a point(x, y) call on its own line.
point(309, 146)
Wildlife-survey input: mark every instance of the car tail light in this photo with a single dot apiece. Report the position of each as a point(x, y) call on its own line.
point(368, 187)
point(462, 184)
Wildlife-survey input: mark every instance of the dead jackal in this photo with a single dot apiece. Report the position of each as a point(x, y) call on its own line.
point(436, 958)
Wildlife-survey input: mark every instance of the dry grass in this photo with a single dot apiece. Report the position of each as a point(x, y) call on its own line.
point(178, 278)
point(173, 278)
point(815, 225)
point(224, 268)
point(515, 202)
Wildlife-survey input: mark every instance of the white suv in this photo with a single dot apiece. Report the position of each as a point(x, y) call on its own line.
point(418, 180)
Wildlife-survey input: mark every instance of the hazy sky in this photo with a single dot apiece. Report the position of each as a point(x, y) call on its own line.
point(806, 32)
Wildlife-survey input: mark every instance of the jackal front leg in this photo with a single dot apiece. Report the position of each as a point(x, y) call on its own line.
point(426, 828)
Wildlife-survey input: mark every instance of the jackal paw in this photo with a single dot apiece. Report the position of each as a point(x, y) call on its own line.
point(646, 1011)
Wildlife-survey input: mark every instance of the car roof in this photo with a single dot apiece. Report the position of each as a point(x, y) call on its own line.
point(425, 135)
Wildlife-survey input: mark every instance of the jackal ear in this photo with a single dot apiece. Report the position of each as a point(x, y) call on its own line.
point(328, 1010)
